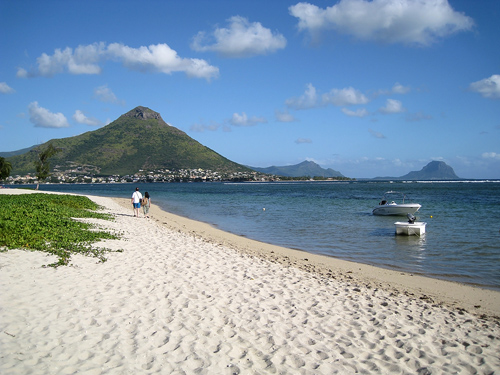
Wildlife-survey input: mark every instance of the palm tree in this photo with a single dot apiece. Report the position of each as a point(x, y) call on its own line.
point(5, 168)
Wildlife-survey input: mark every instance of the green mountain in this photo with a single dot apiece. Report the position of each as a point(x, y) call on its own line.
point(137, 140)
point(14, 153)
point(435, 170)
point(306, 168)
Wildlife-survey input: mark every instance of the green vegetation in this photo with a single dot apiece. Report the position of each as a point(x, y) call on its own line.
point(44, 222)
point(137, 140)
point(5, 168)
point(42, 165)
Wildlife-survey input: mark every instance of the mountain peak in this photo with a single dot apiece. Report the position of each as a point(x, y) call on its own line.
point(306, 168)
point(436, 166)
point(435, 170)
point(143, 113)
point(308, 162)
point(138, 140)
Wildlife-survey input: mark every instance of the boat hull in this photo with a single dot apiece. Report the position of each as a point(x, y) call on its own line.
point(396, 209)
point(410, 229)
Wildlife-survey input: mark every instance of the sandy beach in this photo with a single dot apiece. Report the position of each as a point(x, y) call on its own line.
point(181, 297)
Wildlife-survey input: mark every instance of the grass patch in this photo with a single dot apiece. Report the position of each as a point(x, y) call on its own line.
point(43, 222)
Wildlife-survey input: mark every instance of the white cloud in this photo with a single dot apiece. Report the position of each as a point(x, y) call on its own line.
point(159, 58)
point(5, 88)
point(376, 134)
point(244, 120)
point(396, 89)
point(308, 100)
point(303, 140)
point(202, 127)
point(491, 155)
point(400, 89)
point(284, 116)
point(338, 97)
point(418, 22)
point(488, 87)
point(392, 106)
point(80, 118)
point(241, 120)
point(104, 94)
point(83, 60)
point(345, 97)
point(240, 39)
point(361, 112)
point(22, 73)
point(397, 162)
point(43, 118)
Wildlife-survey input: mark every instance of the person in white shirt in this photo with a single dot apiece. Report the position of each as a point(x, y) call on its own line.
point(136, 201)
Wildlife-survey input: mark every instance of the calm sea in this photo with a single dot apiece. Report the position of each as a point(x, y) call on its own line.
point(462, 242)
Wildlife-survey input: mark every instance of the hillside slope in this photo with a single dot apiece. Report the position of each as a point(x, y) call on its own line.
point(137, 140)
point(435, 170)
point(304, 169)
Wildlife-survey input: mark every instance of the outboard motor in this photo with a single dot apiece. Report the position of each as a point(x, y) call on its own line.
point(411, 218)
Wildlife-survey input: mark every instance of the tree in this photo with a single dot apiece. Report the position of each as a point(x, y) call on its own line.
point(5, 168)
point(42, 165)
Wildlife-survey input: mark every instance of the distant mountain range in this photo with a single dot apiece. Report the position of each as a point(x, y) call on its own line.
point(141, 140)
point(304, 169)
point(435, 170)
point(137, 140)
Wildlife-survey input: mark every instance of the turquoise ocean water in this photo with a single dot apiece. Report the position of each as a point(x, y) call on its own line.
point(462, 242)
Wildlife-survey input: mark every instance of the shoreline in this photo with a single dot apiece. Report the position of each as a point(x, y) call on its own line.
point(474, 299)
point(179, 296)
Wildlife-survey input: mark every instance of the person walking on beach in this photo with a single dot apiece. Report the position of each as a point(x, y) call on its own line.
point(146, 204)
point(136, 201)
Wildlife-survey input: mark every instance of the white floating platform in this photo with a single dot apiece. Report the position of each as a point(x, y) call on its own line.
point(410, 229)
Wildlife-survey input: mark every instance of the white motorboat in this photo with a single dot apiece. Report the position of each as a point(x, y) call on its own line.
point(410, 227)
point(393, 203)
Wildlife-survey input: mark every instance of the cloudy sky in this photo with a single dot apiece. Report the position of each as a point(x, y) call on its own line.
point(368, 88)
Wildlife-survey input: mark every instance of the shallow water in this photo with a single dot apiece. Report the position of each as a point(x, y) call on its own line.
point(462, 240)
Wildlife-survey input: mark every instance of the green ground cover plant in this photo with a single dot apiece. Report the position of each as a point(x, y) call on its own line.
point(44, 222)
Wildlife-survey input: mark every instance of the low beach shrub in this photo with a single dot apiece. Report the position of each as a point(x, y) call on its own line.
point(45, 222)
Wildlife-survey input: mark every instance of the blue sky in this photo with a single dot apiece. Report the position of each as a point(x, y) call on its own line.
point(368, 88)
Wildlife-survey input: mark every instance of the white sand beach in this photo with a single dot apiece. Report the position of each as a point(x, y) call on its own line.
point(185, 298)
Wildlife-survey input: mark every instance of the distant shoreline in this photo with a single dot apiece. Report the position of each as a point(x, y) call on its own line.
point(354, 180)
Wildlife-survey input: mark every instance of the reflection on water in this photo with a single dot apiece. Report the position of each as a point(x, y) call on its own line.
point(414, 247)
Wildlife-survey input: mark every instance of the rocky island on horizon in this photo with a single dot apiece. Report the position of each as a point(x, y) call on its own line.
point(435, 170)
